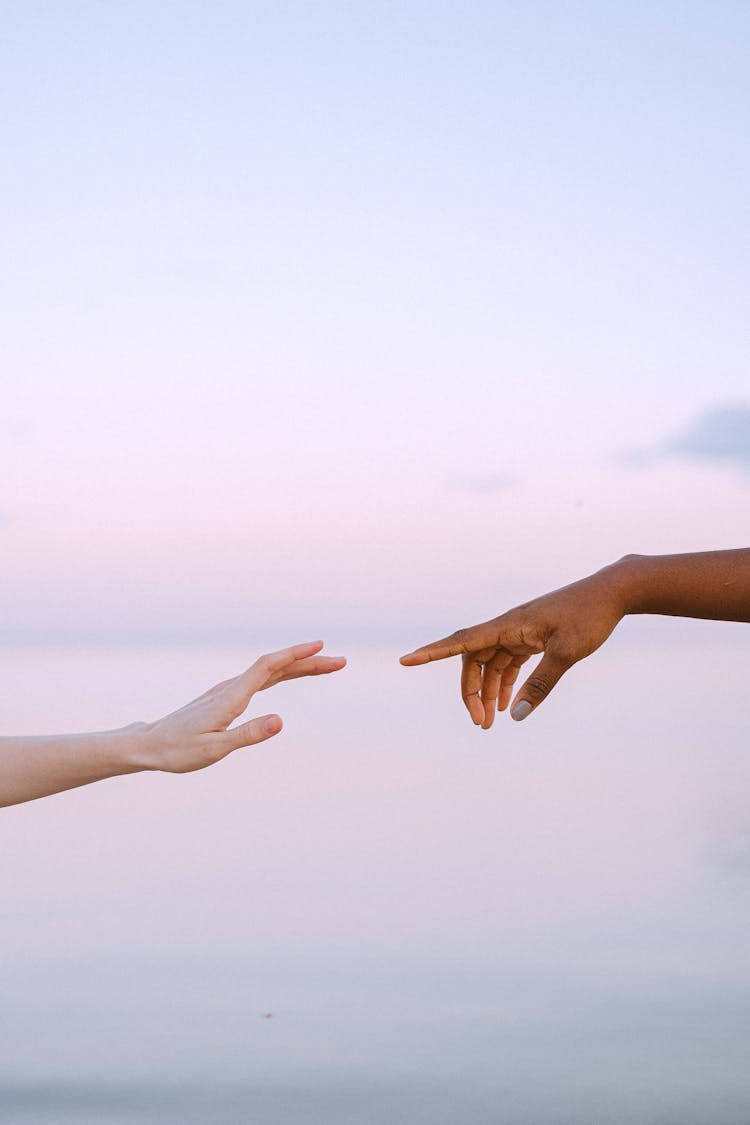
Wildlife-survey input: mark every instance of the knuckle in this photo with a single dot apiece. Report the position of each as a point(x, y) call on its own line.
point(235, 698)
point(539, 684)
point(460, 639)
point(564, 650)
point(264, 664)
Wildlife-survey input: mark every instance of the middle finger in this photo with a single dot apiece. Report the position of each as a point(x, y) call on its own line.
point(471, 682)
point(491, 677)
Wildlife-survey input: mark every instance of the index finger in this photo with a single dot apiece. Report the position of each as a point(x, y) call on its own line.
point(462, 641)
point(272, 663)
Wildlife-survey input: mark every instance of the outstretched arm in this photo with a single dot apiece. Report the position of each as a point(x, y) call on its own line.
point(571, 623)
point(197, 735)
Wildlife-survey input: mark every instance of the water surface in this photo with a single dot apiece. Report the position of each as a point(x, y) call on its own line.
point(387, 915)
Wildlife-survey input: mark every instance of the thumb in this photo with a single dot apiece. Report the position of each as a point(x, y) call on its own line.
point(539, 684)
point(254, 730)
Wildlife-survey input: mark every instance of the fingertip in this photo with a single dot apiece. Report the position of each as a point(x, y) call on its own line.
point(476, 712)
point(272, 724)
point(520, 710)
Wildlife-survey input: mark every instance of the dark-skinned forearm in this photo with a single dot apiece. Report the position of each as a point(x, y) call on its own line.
point(710, 584)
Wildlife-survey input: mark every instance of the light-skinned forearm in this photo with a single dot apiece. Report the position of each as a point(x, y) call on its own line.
point(38, 766)
point(708, 584)
point(191, 738)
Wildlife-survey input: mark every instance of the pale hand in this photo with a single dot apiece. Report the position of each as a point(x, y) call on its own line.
point(200, 733)
point(197, 735)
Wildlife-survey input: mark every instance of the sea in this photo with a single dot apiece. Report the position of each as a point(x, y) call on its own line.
point(385, 915)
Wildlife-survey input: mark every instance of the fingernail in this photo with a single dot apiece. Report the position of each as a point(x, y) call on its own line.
point(520, 710)
point(271, 724)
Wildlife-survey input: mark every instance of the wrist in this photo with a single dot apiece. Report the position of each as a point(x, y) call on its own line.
point(133, 748)
point(623, 579)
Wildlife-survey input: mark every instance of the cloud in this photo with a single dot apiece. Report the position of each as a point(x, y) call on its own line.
point(722, 434)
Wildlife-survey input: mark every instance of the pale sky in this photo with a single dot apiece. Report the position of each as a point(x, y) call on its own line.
point(364, 315)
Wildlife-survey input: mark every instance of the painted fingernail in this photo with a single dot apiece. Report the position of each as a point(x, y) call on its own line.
point(520, 710)
point(271, 724)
